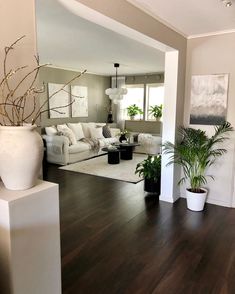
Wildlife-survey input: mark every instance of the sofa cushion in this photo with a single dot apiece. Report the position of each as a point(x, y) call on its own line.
point(96, 132)
point(86, 129)
point(100, 124)
point(77, 129)
point(51, 131)
point(106, 132)
point(79, 147)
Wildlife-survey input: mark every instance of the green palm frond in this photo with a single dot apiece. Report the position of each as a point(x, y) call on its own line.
point(195, 152)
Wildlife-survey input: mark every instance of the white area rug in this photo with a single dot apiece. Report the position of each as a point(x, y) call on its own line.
point(124, 171)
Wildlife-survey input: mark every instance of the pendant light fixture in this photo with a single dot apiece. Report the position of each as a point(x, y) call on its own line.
point(116, 94)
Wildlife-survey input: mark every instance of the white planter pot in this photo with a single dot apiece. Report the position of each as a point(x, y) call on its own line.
point(196, 201)
point(21, 153)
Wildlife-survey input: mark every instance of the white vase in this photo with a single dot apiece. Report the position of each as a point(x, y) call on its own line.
point(196, 201)
point(21, 153)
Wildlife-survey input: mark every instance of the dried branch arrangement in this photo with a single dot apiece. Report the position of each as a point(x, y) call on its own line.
point(18, 100)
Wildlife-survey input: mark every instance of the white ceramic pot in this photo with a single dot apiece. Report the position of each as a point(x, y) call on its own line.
point(21, 153)
point(196, 201)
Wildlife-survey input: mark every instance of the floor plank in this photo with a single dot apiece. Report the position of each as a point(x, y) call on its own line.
point(116, 240)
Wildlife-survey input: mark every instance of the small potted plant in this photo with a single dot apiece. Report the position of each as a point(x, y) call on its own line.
point(195, 152)
point(156, 111)
point(150, 169)
point(123, 136)
point(133, 110)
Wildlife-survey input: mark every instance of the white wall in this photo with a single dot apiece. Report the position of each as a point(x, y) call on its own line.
point(215, 55)
point(17, 18)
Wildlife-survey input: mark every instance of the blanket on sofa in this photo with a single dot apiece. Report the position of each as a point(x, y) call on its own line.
point(94, 143)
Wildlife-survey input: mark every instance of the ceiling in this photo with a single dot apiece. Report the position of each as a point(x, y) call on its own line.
point(68, 41)
point(191, 17)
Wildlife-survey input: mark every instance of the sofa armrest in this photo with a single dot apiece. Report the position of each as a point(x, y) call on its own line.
point(57, 148)
point(57, 144)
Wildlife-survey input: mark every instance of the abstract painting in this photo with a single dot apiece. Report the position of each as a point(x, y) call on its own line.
point(62, 98)
point(209, 99)
point(80, 104)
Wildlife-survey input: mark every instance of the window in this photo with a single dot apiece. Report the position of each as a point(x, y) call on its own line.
point(135, 95)
point(155, 96)
point(144, 96)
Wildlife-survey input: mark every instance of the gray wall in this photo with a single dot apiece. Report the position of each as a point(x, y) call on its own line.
point(97, 100)
point(215, 55)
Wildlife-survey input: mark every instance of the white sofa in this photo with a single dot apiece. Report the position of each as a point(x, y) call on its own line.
point(72, 142)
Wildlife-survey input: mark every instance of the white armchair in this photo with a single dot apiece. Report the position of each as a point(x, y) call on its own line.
point(149, 144)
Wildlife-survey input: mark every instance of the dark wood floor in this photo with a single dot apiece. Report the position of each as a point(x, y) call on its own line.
point(114, 240)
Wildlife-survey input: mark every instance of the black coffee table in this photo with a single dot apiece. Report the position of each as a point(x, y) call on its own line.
point(113, 155)
point(126, 150)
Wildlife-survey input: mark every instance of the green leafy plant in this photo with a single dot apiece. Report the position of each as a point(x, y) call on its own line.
point(133, 110)
point(156, 111)
point(195, 152)
point(150, 168)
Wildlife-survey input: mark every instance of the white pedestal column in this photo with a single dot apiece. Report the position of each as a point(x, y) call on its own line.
point(30, 240)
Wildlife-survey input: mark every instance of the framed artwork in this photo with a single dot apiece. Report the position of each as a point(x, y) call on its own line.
point(209, 95)
point(80, 104)
point(60, 99)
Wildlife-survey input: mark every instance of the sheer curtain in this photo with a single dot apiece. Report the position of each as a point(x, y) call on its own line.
point(118, 108)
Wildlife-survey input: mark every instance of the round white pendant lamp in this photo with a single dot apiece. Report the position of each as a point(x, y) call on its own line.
point(116, 94)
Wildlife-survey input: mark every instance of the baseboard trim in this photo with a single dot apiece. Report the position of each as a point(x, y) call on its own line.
point(168, 199)
point(216, 202)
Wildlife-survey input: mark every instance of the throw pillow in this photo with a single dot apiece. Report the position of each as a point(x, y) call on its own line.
point(86, 129)
point(62, 127)
point(106, 132)
point(100, 124)
point(51, 131)
point(69, 134)
point(96, 133)
point(77, 129)
point(115, 132)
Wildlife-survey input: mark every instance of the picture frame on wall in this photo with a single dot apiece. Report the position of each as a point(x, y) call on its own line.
point(62, 98)
point(79, 94)
point(209, 95)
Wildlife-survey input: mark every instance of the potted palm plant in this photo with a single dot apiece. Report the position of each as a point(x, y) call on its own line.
point(156, 111)
point(150, 169)
point(195, 152)
point(133, 110)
